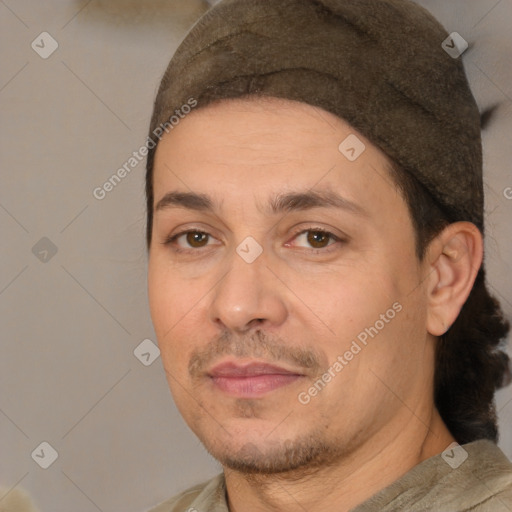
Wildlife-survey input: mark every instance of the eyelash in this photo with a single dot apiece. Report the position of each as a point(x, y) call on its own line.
point(172, 238)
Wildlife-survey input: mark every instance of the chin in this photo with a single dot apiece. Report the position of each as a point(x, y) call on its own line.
point(257, 453)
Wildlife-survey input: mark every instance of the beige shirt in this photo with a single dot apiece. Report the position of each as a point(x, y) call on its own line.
point(447, 482)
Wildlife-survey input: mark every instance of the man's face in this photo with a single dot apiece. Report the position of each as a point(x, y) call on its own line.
point(251, 314)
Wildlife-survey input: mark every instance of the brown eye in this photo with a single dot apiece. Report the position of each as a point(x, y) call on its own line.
point(188, 240)
point(196, 238)
point(318, 239)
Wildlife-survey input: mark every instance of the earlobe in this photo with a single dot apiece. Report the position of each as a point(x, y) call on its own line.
point(454, 256)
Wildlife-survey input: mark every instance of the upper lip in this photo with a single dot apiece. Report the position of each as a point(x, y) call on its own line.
point(252, 369)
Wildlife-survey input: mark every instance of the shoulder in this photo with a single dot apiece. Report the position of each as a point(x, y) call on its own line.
point(490, 473)
point(476, 476)
point(205, 493)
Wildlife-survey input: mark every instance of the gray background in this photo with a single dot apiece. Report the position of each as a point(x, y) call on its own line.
point(71, 321)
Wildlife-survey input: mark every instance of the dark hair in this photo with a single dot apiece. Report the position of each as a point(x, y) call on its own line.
point(470, 361)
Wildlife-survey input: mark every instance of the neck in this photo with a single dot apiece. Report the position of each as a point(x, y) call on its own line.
point(374, 465)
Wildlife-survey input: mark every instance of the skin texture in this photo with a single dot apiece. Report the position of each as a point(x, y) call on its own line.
point(300, 309)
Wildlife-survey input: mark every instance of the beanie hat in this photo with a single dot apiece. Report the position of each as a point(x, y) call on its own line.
point(384, 66)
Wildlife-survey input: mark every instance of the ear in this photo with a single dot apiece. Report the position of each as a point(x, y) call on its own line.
point(453, 258)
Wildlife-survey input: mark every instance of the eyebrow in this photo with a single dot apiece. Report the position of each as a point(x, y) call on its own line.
point(281, 203)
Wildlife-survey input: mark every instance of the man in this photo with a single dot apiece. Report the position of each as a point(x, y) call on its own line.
point(315, 235)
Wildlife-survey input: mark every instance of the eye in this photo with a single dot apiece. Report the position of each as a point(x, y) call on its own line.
point(194, 239)
point(317, 238)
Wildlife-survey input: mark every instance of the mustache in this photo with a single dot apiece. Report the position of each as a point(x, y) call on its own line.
point(258, 345)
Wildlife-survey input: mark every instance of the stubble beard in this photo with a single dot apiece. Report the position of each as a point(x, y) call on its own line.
point(293, 457)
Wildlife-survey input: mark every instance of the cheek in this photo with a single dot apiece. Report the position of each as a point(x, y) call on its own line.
point(369, 314)
point(177, 308)
point(168, 303)
point(349, 298)
point(170, 294)
point(160, 295)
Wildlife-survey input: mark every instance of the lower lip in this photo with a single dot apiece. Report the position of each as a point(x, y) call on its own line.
point(253, 386)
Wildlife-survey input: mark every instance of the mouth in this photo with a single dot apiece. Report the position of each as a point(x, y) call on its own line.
point(251, 380)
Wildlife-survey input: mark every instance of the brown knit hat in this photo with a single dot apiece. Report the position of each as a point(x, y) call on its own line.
point(378, 64)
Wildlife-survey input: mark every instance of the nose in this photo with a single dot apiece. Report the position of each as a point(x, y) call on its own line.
point(248, 296)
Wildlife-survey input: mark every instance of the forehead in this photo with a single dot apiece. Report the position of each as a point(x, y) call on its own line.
point(240, 147)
